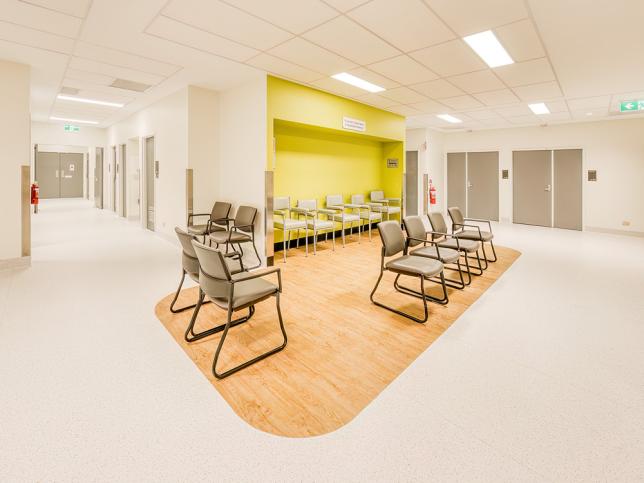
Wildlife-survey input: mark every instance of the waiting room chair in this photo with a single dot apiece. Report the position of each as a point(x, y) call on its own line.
point(368, 212)
point(234, 292)
point(417, 234)
point(282, 208)
point(447, 240)
point(309, 210)
point(393, 243)
point(336, 211)
point(190, 264)
point(459, 228)
point(241, 231)
point(384, 205)
point(218, 220)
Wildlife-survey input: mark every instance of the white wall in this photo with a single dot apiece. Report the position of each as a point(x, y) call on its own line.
point(15, 133)
point(429, 144)
point(242, 151)
point(614, 148)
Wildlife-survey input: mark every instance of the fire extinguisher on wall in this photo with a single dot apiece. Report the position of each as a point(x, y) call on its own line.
point(432, 193)
point(35, 195)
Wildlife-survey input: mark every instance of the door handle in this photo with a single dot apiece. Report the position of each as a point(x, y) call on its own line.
point(56, 173)
point(548, 188)
point(469, 185)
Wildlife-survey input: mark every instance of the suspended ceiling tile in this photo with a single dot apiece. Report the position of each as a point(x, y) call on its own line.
point(539, 92)
point(296, 16)
point(39, 18)
point(482, 114)
point(404, 110)
point(556, 116)
point(451, 58)
point(480, 81)
point(220, 19)
point(404, 70)
point(407, 24)
point(532, 119)
point(284, 68)
point(514, 111)
point(596, 102)
point(430, 107)
point(437, 89)
point(87, 65)
point(377, 100)
point(304, 53)
point(35, 38)
point(374, 77)
point(124, 59)
point(75, 8)
point(168, 29)
point(348, 39)
point(461, 102)
point(557, 106)
point(591, 114)
point(403, 95)
point(89, 77)
point(468, 17)
point(524, 73)
point(521, 40)
point(345, 5)
point(336, 87)
point(497, 98)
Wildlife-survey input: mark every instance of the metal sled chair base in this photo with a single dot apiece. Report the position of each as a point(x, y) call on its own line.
point(417, 294)
point(190, 336)
point(176, 296)
point(231, 323)
point(396, 311)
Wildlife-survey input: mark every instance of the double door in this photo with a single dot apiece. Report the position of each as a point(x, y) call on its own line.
point(473, 183)
point(547, 188)
point(60, 175)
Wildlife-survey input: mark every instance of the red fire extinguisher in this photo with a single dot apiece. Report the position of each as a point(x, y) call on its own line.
point(35, 194)
point(432, 193)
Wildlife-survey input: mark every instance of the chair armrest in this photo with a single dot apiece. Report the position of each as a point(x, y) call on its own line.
point(336, 207)
point(326, 211)
point(303, 211)
point(238, 257)
point(353, 205)
point(260, 273)
point(472, 226)
point(195, 215)
point(477, 220)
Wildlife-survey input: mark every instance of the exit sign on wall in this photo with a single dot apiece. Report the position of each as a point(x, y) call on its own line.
point(71, 128)
point(630, 106)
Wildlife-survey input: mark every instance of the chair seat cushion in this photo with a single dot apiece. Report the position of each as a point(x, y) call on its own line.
point(486, 236)
point(320, 224)
point(468, 246)
point(347, 217)
point(409, 265)
point(235, 237)
point(388, 209)
point(247, 293)
point(371, 216)
point(290, 224)
point(447, 255)
point(203, 229)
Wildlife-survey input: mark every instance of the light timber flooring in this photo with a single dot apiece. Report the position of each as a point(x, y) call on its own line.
point(342, 350)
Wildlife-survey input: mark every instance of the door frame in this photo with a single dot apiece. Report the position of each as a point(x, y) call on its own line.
point(466, 152)
point(144, 181)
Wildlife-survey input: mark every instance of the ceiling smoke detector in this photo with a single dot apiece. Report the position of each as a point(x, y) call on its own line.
point(130, 85)
point(70, 91)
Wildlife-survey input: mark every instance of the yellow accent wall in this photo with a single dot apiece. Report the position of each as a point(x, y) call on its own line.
point(312, 156)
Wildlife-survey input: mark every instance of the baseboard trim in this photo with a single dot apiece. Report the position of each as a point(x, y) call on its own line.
point(613, 231)
point(15, 263)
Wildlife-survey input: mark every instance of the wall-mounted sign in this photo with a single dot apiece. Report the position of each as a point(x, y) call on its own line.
point(592, 175)
point(71, 128)
point(354, 124)
point(392, 162)
point(630, 106)
point(505, 174)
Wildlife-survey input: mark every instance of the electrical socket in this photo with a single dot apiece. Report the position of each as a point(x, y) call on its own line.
point(626, 223)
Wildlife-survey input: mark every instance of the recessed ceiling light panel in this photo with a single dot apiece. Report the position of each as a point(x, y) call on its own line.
point(449, 118)
point(539, 108)
point(63, 97)
point(488, 47)
point(66, 119)
point(357, 82)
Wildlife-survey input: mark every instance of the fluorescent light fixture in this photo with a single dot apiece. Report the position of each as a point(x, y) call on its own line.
point(54, 118)
point(488, 47)
point(357, 82)
point(89, 101)
point(449, 118)
point(539, 108)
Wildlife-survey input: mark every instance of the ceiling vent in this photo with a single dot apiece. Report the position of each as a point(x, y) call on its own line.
point(69, 91)
point(130, 85)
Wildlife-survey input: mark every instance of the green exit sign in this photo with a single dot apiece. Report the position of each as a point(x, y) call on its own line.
point(71, 128)
point(630, 106)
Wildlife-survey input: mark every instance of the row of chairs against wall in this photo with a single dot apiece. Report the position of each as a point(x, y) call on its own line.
point(307, 216)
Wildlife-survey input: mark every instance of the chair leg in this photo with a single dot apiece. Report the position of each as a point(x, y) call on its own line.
point(391, 309)
point(306, 240)
point(285, 243)
point(176, 296)
point(343, 236)
point(333, 237)
point(493, 253)
point(315, 242)
point(190, 335)
point(228, 325)
point(415, 293)
point(484, 255)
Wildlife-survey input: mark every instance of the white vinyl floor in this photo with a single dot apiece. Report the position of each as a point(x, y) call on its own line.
point(542, 379)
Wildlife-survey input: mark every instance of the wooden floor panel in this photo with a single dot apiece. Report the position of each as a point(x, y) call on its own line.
point(342, 350)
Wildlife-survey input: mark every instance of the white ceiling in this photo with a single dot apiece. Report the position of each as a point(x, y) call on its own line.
point(580, 58)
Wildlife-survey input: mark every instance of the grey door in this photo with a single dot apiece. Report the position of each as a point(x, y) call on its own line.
point(567, 164)
point(483, 185)
point(532, 190)
point(47, 174)
point(456, 172)
point(98, 179)
point(411, 183)
point(115, 169)
point(149, 182)
point(122, 180)
point(71, 175)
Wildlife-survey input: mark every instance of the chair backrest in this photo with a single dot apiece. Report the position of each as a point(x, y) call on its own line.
point(308, 204)
point(281, 203)
point(438, 222)
point(415, 228)
point(391, 234)
point(377, 195)
point(456, 215)
point(334, 200)
point(189, 260)
point(220, 210)
point(246, 216)
point(357, 199)
point(214, 276)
